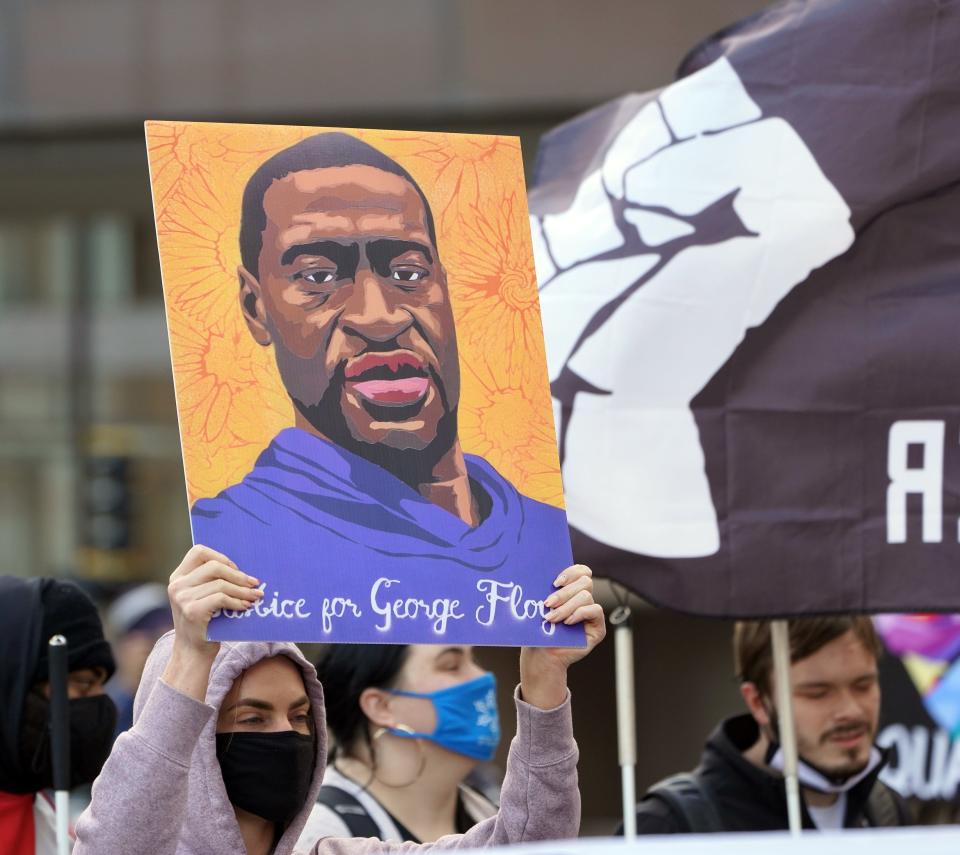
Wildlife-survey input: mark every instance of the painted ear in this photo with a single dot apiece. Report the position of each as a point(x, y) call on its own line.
point(251, 304)
point(375, 705)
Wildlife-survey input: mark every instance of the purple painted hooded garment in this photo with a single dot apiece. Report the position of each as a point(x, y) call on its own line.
point(318, 522)
point(161, 791)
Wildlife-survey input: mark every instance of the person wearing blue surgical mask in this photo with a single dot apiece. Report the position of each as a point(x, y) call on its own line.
point(409, 724)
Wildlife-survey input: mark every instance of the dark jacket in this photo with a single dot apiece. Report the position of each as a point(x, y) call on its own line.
point(747, 798)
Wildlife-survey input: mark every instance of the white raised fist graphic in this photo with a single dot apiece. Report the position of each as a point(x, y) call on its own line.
point(702, 217)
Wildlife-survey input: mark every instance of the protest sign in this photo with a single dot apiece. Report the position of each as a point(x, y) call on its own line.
point(361, 381)
point(750, 282)
point(920, 679)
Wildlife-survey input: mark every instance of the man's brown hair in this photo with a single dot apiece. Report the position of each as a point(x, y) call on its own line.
point(753, 656)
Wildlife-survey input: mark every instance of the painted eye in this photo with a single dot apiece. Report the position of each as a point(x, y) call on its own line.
point(408, 275)
point(318, 277)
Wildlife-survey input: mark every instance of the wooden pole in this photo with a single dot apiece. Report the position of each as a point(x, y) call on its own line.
point(780, 639)
point(626, 716)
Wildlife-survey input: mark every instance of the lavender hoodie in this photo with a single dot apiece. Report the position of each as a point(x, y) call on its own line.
point(161, 790)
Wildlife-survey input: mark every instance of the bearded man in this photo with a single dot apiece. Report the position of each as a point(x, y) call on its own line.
point(739, 784)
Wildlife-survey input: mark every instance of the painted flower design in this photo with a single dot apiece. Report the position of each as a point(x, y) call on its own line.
point(200, 254)
point(211, 370)
point(457, 171)
point(215, 375)
point(180, 156)
point(494, 290)
point(511, 427)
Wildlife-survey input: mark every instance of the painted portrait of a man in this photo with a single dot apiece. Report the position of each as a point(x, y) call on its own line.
point(368, 501)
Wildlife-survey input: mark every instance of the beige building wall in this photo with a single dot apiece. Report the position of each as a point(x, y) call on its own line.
point(118, 60)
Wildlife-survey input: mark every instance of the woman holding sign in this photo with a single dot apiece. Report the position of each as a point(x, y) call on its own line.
point(228, 747)
point(409, 723)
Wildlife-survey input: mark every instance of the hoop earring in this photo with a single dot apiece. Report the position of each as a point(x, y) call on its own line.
point(377, 735)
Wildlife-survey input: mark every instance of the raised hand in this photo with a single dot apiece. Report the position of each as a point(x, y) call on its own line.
point(543, 670)
point(205, 582)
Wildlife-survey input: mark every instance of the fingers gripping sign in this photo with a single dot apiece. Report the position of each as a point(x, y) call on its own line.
point(543, 670)
point(204, 582)
point(704, 215)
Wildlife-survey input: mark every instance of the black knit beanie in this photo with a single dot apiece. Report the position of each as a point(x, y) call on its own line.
point(69, 612)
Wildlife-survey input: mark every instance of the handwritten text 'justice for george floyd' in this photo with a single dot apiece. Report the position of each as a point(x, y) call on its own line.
point(393, 608)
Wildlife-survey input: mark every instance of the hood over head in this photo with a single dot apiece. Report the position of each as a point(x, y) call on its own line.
point(210, 826)
point(31, 611)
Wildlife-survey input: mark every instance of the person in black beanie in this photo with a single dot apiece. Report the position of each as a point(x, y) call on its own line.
point(31, 611)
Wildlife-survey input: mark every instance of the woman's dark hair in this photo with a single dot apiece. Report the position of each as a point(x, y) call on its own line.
point(345, 670)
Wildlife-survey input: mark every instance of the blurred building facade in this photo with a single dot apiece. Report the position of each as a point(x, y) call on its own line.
point(91, 483)
point(89, 453)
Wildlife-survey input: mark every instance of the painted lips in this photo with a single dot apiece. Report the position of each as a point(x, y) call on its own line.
point(396, 393)
point(395, 379)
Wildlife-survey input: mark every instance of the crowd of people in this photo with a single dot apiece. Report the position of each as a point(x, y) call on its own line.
point(249, 747)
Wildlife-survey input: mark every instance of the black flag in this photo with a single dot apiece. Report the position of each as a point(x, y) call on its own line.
point(750, 283)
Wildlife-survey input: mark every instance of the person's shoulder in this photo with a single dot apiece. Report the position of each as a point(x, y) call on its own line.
point(239, 500)
point(323, 821)
point(681, 803)
point(224, 504)
point(538, 508)
point(238, 504)
point(886, 807)
point(654, 816)
point(490, 477)
point(476, 804)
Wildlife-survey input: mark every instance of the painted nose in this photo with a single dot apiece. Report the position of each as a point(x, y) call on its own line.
point(370, 313)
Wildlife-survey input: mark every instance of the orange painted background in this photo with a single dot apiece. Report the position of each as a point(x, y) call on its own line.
point(230, 398)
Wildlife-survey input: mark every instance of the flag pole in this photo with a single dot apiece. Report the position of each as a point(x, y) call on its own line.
point(626, 716)
point(60, 740)
point(780, 639)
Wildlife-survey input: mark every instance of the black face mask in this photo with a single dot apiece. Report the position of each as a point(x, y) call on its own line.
point(92, 724)
point(267, 774)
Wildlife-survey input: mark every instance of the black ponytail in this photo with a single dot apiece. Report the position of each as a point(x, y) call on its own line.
point(345, 670)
